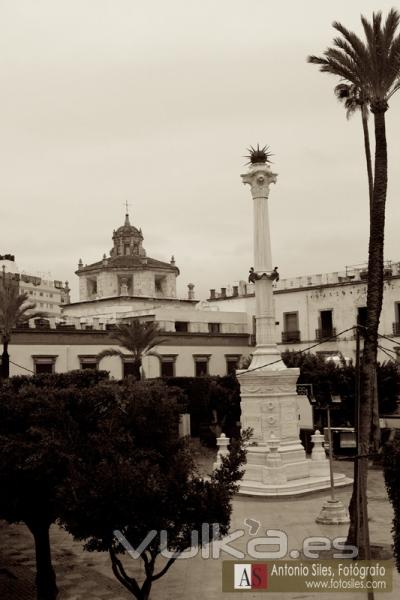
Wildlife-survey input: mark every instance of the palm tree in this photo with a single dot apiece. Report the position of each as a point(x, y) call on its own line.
point(138, 338)
point(354, 100)
point(15, 309)
point(373, 67)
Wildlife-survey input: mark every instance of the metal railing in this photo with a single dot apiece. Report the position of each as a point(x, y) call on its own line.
point(326, 332)
point(290, 336)
point(396, 328)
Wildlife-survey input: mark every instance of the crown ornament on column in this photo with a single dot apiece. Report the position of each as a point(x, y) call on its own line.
point(259, 175)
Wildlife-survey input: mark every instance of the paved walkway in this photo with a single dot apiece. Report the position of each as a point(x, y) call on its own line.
point(87, 576)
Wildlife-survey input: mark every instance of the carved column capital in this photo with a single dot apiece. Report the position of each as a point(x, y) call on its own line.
point(259, 177)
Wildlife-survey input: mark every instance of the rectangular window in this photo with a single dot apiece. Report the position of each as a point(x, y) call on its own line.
point(291, 321)
point(87, 362)
point(128, 367)
point(214, 327)
point(181, 326)
point(396, 324)
point(362, 316)
point(158, 283)
point(290, 331)
point(167, 365)
point(41, 323)
point(44, 364)
point(201, 364)
point(232, 363)
point(326, 320)
point(326, 329)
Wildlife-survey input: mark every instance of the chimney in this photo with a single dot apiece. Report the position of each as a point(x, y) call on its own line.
point(242, 288)
point(212, 294)
point(190, 291)
point(223, 292)
point(235, 291)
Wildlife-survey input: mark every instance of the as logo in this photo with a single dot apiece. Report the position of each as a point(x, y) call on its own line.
point(251, 576)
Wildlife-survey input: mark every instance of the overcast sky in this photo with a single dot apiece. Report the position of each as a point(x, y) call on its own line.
point(104, 101)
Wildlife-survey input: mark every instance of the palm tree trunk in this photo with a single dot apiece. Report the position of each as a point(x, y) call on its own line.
point(136, 369)
point(374, 307)
point(368, 159)
point(5, 360)
point(46, 588)
point(367, 147)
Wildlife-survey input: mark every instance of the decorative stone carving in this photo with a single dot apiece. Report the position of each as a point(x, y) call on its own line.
point(259, 178)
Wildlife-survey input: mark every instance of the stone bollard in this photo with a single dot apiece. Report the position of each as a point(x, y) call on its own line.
point(222, 443)
point(319, 466)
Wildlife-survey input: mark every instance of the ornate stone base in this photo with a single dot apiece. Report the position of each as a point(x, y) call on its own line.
point(295, 487)
point(333, 513)
point(276, 460)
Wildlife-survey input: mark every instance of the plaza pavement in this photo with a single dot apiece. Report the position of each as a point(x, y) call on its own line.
point(87, 576)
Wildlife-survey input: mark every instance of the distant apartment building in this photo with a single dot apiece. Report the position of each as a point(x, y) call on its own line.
point(313, 308)
point(48, 294)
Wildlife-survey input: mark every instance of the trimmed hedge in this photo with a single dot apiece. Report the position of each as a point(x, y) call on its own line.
point(85, 378)
point(391, 469)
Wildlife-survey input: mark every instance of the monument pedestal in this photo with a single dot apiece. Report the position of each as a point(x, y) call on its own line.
point(276, 460)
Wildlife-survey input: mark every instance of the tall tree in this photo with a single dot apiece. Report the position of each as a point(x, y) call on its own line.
point(137, 478)
point(138, 338)
point(15, 309)
point(39, 418)
point(373, 67)
point(354, 100)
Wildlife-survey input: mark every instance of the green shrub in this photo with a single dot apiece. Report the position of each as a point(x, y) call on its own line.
point(341, 377)
point(213, 404)
point(80, 378)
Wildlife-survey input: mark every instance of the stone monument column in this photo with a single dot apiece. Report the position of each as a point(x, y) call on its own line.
point(268, 387)
point(259, 178)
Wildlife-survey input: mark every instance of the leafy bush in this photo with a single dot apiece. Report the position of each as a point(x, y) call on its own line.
point(341, 377)
point(210, 401)
point(80, 378)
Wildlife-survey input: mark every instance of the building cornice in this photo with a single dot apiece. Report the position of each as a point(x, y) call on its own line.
point(303, 288)
point(100, 337)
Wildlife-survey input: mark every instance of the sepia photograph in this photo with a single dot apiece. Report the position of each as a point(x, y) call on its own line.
point(199, 300)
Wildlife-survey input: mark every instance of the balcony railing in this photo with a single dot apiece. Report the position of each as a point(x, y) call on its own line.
point(327, 332)
point(290, 336)
point(396, 328)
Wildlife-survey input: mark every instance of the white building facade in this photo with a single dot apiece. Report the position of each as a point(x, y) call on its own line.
point(312, 308)
point(198, 339)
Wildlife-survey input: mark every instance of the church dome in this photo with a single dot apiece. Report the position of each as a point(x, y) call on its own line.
point(127, 240)
point(128, 229)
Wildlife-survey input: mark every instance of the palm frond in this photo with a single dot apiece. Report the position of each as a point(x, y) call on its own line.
point(138, 337)
point(372, 65)
point(109, 352)
point(15, 308)
point(355, 42)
